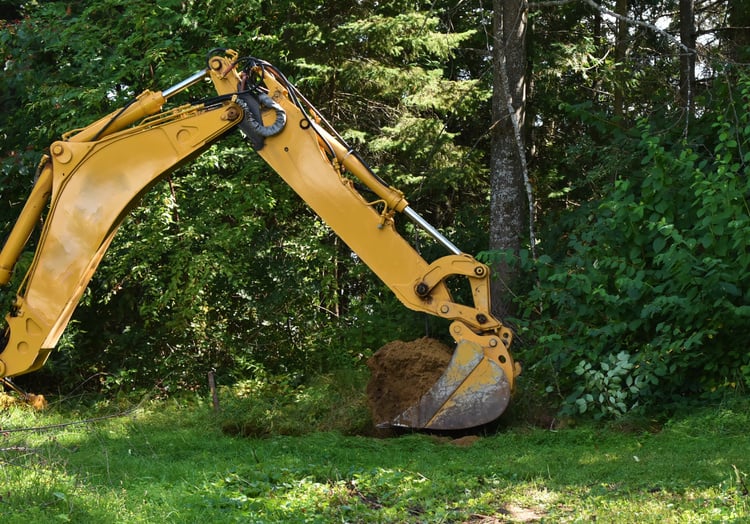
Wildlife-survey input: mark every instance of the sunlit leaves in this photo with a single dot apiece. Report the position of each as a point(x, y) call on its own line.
point(223, 266)
point(658, 269)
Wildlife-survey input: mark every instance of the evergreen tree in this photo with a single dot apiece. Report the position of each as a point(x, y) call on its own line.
point(223, 266)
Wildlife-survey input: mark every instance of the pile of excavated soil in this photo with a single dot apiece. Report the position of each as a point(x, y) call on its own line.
point(37, 402)
point(401, 372)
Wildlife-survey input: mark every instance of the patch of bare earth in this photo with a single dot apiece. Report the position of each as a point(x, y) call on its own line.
point(510, 514)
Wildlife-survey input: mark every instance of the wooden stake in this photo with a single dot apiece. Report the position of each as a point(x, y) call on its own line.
point(214, 394)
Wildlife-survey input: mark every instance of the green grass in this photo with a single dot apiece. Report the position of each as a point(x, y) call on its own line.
point(169, 462)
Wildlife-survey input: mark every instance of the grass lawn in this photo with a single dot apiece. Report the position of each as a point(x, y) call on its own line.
point(169, 462)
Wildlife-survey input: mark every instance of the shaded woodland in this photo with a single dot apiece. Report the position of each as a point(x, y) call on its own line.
point(595, 154)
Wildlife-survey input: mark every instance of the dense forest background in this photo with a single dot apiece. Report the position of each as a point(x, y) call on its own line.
point(630, 289)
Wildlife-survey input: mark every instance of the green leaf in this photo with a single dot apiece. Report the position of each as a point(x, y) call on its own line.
point(659, 243)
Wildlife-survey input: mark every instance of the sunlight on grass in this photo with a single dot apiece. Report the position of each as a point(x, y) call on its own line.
point(170, 462)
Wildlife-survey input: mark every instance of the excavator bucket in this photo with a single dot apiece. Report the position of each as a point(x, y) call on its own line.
point(473, 390)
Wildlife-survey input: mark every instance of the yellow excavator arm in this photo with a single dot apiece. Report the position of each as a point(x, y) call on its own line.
point(92, 178)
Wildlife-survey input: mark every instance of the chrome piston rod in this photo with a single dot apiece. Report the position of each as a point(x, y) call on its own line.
point(194, 79)
point(430, 229)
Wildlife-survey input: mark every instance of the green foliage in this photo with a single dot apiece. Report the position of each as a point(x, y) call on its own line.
point(223, 267)
point(168, 461)
point(640, 295)
point(267, 405)
point(607, 382)
point(644, 300)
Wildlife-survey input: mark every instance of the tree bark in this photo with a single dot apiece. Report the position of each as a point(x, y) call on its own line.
point(507, 214)
point(739, 30)
point(687, 59)
point(621, 49)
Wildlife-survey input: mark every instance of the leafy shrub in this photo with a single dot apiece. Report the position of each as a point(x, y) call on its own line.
point(612, 387)
point(645, 298)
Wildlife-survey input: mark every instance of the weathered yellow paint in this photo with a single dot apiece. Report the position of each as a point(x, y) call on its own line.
point(94, 176)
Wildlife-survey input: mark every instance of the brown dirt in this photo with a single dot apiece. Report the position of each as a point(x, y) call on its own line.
point(37, 402)
point(465, 442)
point(401, 372)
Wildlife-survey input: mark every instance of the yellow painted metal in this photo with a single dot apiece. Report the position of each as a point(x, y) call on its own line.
point(95, 175)
point(90, 180)
point(147, 103)
point(392, 197)
point(478, 383)
point(94, 185)
point(297, 156)
point(27, 221)
point(473, 390)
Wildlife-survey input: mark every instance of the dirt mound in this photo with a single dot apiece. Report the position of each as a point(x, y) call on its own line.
point(37, 402)
point(401, 373)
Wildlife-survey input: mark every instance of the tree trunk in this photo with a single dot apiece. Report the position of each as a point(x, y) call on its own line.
point(739, 30)
point(621, 49)
point(507, 214)
point(687, 59)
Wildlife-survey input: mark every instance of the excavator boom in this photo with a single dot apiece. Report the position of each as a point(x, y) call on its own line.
point(93, 177)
